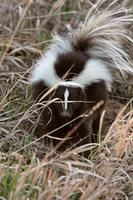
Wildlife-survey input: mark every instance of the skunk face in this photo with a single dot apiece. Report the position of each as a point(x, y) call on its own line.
point(69, 100)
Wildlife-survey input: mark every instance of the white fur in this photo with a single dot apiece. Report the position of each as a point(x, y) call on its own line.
point(44, 68)
point(66, 95)
point(94, 71)
point(70, 84)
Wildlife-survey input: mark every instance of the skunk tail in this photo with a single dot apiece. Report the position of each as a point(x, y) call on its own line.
point(103, 35)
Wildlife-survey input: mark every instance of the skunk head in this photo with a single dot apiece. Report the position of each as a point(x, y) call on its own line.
point(70, 99)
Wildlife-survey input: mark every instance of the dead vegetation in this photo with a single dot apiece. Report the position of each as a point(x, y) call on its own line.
point(28, 168)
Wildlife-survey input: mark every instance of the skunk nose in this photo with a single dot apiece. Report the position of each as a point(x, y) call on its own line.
point(65, 114)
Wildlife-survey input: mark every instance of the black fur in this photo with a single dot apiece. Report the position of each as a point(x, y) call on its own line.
point(70, 64)
point(53, 119)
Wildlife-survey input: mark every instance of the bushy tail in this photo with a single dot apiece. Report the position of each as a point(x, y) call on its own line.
point(105, 35)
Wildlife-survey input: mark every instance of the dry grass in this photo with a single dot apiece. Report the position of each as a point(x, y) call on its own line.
point(26, 169)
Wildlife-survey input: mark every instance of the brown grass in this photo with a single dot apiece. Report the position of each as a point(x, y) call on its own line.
point(26, 169)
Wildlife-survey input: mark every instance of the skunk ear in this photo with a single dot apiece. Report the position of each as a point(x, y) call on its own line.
point(39, 88)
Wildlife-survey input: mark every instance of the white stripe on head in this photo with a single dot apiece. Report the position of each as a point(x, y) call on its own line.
point(71, 84)
point(66, 95)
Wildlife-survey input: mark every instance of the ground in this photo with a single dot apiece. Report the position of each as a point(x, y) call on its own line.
point(27, 169)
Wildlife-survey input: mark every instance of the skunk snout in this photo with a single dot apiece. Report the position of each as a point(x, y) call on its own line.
point(65, 114)
point(69, 95)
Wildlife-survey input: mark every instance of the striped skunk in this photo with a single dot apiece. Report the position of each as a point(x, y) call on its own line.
point(78, 66)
